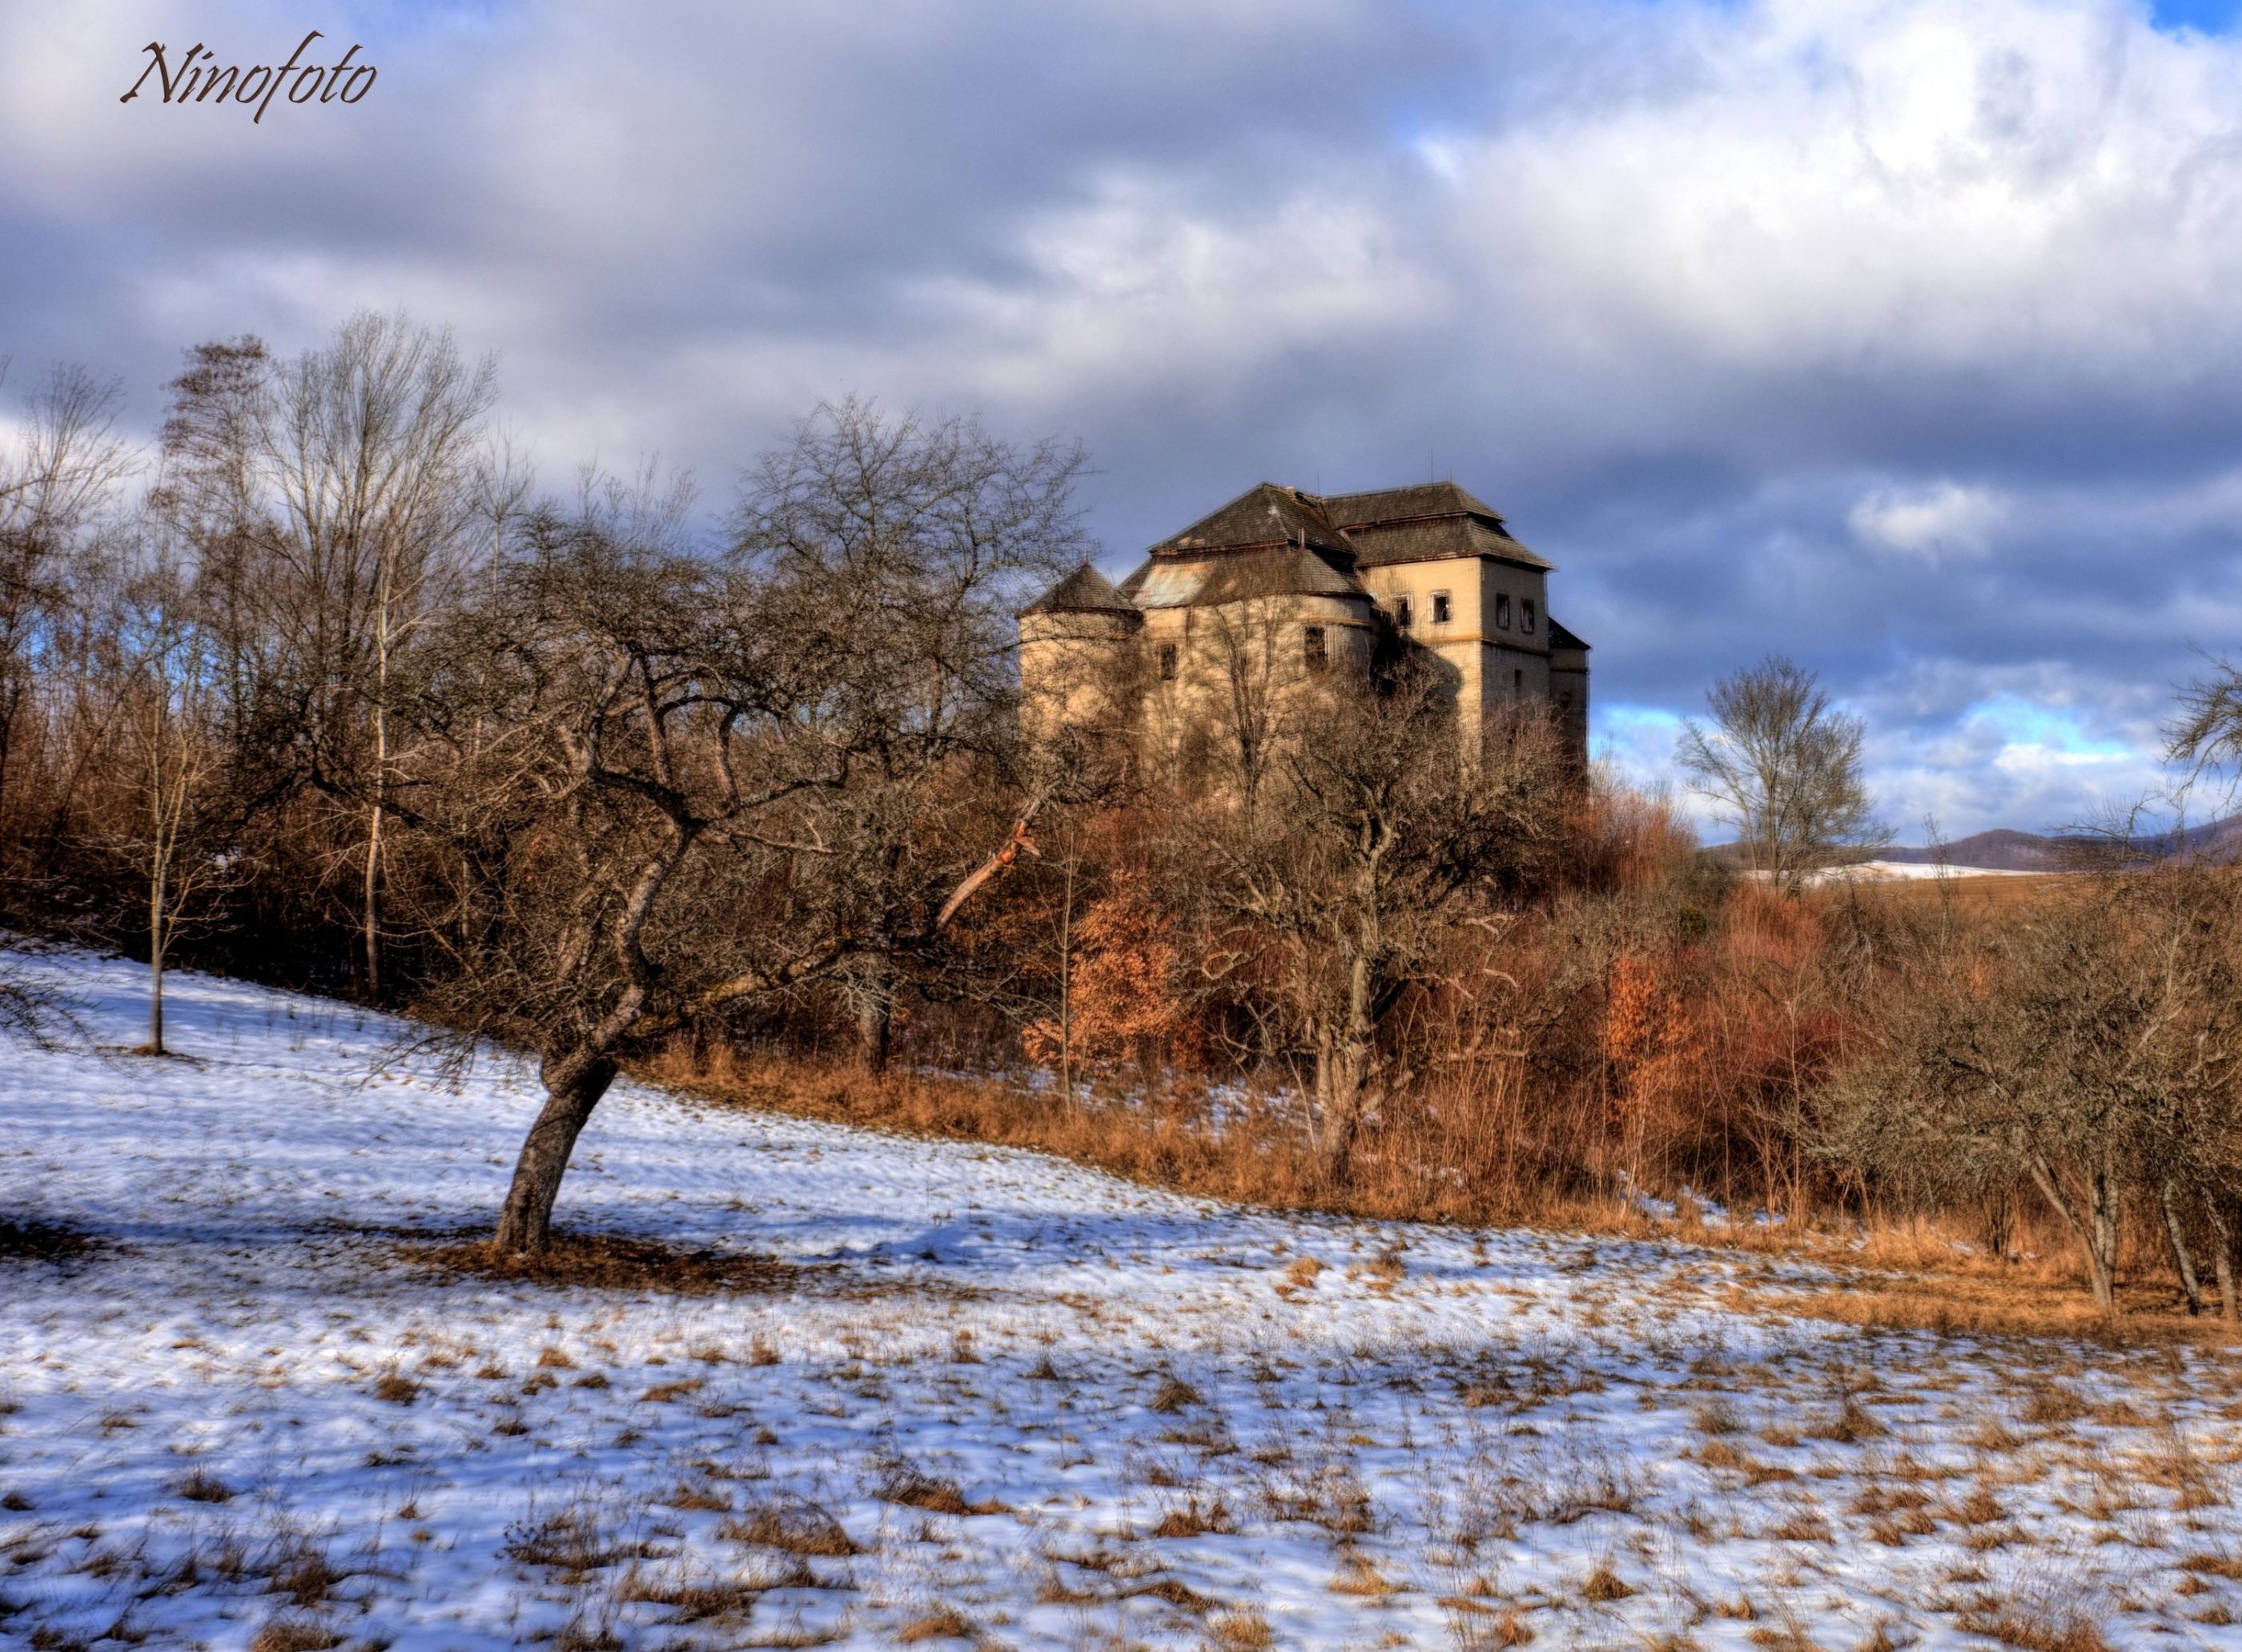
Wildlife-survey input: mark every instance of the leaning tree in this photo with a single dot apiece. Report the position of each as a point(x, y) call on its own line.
point(645, 767)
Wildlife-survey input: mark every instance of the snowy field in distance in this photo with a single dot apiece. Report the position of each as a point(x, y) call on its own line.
point(1014, 1404)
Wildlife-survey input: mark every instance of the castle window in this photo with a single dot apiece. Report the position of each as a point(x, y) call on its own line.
point(1167, 662)
point(1503, 611)
point(1518, 682)
point(1441, 614)
point(1525, 615)
point(1315, 653)
point(1401, 615)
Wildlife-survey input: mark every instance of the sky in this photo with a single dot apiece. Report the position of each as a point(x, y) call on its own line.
point(1898, 336)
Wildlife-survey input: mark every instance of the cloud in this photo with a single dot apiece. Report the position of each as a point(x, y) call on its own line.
point(1710, 296)
point(1932, 524)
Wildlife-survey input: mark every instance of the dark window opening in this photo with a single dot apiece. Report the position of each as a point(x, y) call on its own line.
point(1439, 607)
point(1525, 615)
point(1401, 615)
point(1503, 611)
point(1317, 655)
point(1518, 682)
point(1167, 662)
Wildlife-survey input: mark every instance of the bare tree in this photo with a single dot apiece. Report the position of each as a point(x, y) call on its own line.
point(177, 840)
point(2207, 733)
point(905, 545)
point(58, 486)
point(1374, 843)
point(335, 500)
point(2090, 1047)
point(635, 727)
point(1783, 768)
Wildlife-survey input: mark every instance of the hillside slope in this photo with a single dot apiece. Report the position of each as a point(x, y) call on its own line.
point(997, 1397)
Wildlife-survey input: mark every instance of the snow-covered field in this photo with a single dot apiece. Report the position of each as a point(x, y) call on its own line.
point(1009, 1401)
point(1904, 872)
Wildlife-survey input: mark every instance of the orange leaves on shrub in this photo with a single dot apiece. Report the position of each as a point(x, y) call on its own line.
point(1123, 989)
point(1649, 1040)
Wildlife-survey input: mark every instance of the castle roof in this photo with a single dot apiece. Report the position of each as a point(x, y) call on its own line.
point(1418, 499)
point(1273, 540)
point(1083, 591)
point(1561, 638)
point(1425, 522)
point(1264, 515)
point(1233, 574)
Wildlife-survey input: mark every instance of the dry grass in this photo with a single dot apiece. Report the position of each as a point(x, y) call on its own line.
point(295, 1635)
point(1175, 1395)
point(1604, 1585)
point(909, 1488)
point(1955, 1298)
point(1908, 1275)
point(792, 1525)
point(201, 1486)
point(579, 1538)
point(2030, 1632)
point(397, 1389)
point(943, 1623)
point(1239, 1631)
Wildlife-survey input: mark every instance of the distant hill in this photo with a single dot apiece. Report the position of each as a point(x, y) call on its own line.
point(1999, 850)
point(2002, 850)
point(2006, 851)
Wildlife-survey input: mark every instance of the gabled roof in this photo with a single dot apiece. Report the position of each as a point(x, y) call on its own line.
point(1432, 539)
point(1390, 504)
point(1181, 579)
point(1263, 514)
point(1083, 591)
point(1426, 522)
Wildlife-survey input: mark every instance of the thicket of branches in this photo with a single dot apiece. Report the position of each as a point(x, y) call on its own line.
point(326, 690)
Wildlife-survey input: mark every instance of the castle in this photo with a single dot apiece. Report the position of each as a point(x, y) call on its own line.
point(1232, 620)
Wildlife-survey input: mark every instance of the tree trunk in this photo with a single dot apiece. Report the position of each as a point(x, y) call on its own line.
point(1343, 1061)
point(2222, 1257)
point(1340, 1076)
point(2102, 1246)
point(372, 936)
point(875, 1018)
point(156, 960)
point(2182, 1259)
point(2095, 1229)
point(376, 818)
point(573, 1084)
point(1999, 1222)
point(1066, 989)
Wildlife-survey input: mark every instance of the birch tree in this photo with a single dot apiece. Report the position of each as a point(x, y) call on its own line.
point(173, 765)
point(339, 500)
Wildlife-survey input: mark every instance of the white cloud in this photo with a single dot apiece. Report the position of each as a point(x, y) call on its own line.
point(1932, 524)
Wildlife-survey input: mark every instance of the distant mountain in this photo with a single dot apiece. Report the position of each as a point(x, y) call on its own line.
point(2002, 850)
point(1999, 850)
